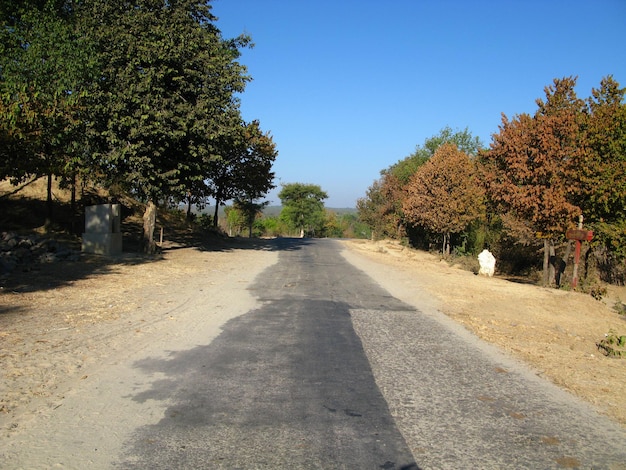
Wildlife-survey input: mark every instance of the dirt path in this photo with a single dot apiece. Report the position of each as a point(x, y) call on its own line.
point(56, 327)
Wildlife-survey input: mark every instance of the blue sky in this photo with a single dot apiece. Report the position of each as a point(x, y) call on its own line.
point(349, 87)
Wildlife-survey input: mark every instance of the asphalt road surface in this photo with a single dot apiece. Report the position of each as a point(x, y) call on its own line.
point(332, 372)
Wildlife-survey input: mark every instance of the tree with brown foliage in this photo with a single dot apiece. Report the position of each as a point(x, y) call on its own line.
point(444, 195)
point(381, 208)
point(533, 165)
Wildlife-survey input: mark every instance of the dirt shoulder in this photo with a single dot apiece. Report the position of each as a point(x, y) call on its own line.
point(553, 331)
point(59, 322)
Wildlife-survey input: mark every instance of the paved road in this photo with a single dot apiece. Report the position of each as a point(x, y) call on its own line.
point(289, 385)
point(325, 370)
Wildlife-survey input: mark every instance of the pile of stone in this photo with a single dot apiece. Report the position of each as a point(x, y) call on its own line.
point(23, 250)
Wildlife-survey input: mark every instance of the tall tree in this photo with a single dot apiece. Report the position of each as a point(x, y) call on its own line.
point(444, 195)
point(243, 168)
point(603, 177)
point(168, 80)
point(604, 170)
point(533, 164)
point(381, 208)
point(45, 68)
point(303, 206)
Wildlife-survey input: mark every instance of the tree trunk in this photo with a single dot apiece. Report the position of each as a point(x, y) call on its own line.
point(149, 224)
point(188, 216)
point(217, 208)
point(73, 209)
point(562, 264)
point(48, 222)
point(546, 261)
point(552, 265)
point(446, 244)
point(73, 193)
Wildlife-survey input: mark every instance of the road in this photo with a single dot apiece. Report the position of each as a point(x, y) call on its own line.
point(329, 371)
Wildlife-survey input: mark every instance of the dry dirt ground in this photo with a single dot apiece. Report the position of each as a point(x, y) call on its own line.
point(58, 320)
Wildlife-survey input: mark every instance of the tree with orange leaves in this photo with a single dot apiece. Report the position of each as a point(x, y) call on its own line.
point(533, 165)
point(444, 195)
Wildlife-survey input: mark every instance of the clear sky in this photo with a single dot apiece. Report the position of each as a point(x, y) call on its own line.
point(349, 87)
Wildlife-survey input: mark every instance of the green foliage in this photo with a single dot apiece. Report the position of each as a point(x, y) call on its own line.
point(45, 68)
point(242, 170)
point(335, 225)
point(603, 175)
point(613, 345)
point(464, 141)
point(235, 220)
point(166, 92)
point(245, 214)
point(352, 227)
point(139, 96)
point(272, 226)
point(303, 207)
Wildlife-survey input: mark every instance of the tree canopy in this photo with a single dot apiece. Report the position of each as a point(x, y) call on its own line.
point(45, 69)
point(540, 173)
point(382, 207)
point(138, 95)
point(303, 206)
point(166, 92)
point(444, 195)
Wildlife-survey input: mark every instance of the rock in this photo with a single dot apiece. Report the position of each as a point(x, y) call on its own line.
point(48, 258)
point(487, 263)
point(28, 250)
point(7, 264)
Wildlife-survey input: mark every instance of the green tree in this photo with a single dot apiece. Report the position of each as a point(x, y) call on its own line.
point(604, 170)
point(243, 169)
point(444, 195)
point(45, 68)
point(250, 211)
point(272, 226)
point(303, 207)
point(165, 94)
point(603, 178)
point(234, 219)
point(381, 208)
point(464, 141)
